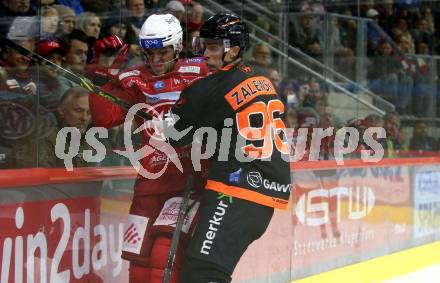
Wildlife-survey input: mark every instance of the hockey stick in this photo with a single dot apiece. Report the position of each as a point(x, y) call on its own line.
point(179, 224)
point(78, 79)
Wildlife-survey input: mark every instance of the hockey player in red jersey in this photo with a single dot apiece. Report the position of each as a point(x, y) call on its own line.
point(158, 84)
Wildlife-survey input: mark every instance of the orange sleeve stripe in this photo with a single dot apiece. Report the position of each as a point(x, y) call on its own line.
point(247, 195)
point(249, 89)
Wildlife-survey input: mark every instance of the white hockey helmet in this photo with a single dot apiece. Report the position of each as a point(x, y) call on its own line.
point(160, 31)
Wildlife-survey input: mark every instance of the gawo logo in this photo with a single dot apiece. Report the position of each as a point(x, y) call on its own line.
point(274, 186)
point(254, 179)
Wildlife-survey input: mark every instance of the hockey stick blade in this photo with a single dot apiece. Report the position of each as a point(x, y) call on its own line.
point(178, 231)
point(75, 78)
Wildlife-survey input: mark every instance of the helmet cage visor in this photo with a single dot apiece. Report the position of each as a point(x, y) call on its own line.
point(200, 44)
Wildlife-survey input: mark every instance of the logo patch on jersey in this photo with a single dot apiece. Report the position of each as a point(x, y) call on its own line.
point(159, 85)
point(170, 212)
point(194, 60)
point(249, 89)
point(129, 74)
point(133, 236)
point(254, 179)
point(189, 69)
point(234, 177)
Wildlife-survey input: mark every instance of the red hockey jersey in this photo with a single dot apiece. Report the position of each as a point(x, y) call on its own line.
point(138, 85)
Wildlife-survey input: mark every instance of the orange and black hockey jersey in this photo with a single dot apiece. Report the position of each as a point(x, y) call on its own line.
point(251, 152)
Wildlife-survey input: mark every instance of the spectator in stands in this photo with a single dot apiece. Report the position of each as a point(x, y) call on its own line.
point(373, 120)
point(401, 30)
point(73, 111)
point(15, 68)
point(406, 77)
point(263, 23)
point(404, 45)
point(365, 6)
point(66, 20)
point(49, 22)
point(117, 23)
point(9, 9)
point(348, 30)
point(429, 17)
point(422, 48)
point(404, 13)
point(72, 4)
point(421, 141)
point(76, 55)
point(288, 92)
point(138, 13)
point(304, 34)
point(292, 121)
point(360, 125)
point(313, 6)
point(423, 88)
point(274, 76)
point(50, 88)
point(317, 90)
point(14, 8)
point(195, 16)
point(391, 143)
point(176, 9)
point(374, 38)
point(383, 72)
point(19, 133)
point(403, 141)
point(345, 62)
point(89, 23)
point(387, 14)
point(262, 56)
point(422, 33)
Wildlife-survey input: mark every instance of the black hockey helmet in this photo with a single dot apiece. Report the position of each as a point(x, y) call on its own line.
point(228, 27)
